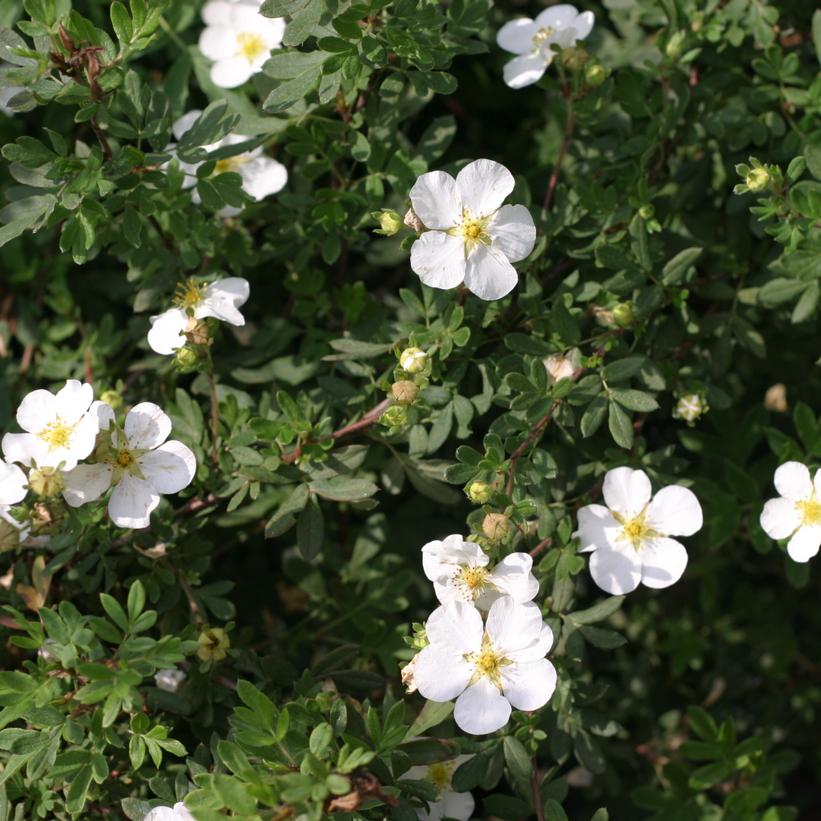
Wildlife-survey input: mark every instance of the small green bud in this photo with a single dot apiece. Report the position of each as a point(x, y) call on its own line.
point(647, 211)
point(413, 360)
point(496, 526)
point(404, 391)
point(595, 74)
point(396, 416)
point(390, 222)
point(574, 57)
point(674, 45)
point(758, 179)
point(186, 359)
point(46, 482)
point(623, 314)
point(479, 492)
point(112, 398)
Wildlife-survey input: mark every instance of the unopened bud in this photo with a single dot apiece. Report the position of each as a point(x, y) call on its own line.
point(390, 222)
point(595, 74)
point(574, 57)
point(689, 408)
point(46, 482)
point(396, 416)
point(413, 360)
point(213, 644)
point(758, 179)
point(496, 526)
point(186, 359)
point(647, 211)
point(674, 45)
point(404, 391)
point(623, 314)
point(479, 492)
point(413, 221)
point(112, 398)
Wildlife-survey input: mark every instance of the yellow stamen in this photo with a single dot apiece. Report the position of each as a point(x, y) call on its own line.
point(125, 458)
point(810, 510)
point(56, 434)
point(472, 231)
point(189, 294)
point(635, 530)
point(440, 775)
point(250, 46)
point(474, 578)
point(488, 663)
point(233, 164)
point(543, 34)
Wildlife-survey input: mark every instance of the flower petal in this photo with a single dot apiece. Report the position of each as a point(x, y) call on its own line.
point(73, 400)
point(170, 467)
point(262, 177)
point(483, 186)
point(146, 426)
point(513, 577)
point(223, 298)
point(86, 483)
point(441, 558)
point(805, 543)
point(37, 409)
point(131, 502)
point(439, 259)
point(626, 491)
point(675, 511)
point(584, 24)
point(558, 16)
point(597, 528)
point(167, 332)
point(481, 709)
point(231, 72)
point(458, 805)
point(516, 36)
point(515, 629)
point(662, 562)
point(530, 685)
point(12, 484)
point(524, 70)
point(440, 674)
point(489, 275)
point(435, 199)
point(513, 232)
point(456, 626)
point(23, 448)
point(218, 43)
point(615, 571)
point(780, 518)
point(792, 481)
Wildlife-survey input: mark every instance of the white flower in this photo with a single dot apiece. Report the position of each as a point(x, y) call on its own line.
point(487, 668)
point(531, 40)
point(630, 537)
point(169, 680)
point(459, 572)
point(238, 39)
point(176, 813)
point(195, 300)
point(471, 237)
point(13, 484)
point(261, 175)
point(689, 408)
point(60, 430)
point(448, 804)
point(137, 461)
point(796, 513)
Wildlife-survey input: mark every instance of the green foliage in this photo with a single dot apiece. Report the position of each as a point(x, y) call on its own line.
point(674, 176)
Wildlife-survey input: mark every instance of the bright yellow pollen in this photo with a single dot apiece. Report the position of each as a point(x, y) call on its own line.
point(472, 229)
point(56, 434)
point(487, 662)
point(636, 530)
point(474, 578)
point(189, 294)
point(810, 509)
point(250, 46)
point(125, 458)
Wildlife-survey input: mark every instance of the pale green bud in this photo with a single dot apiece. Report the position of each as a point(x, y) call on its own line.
point(413, 360)
point(46, 482)
point(479, 492)
point(390, 222)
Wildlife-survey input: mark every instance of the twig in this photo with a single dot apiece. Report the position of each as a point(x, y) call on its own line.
point(568, 135)
point(544, 544)
point(196, 613)
point(537, 795)
point(195, 505)
point(215, 421)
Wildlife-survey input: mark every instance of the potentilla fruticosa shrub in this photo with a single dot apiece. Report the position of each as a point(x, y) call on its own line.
point(410, 410)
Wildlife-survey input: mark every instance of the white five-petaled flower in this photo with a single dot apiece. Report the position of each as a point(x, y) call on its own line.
point(179, 812)
point(137, 461)
point(531, 41)
point(470, 236)
point(238, 39)
point(459, 571)
point(170, 679)
point(488, 668)
point(261, 175)
point(448, 804)
point(13, 484)
point(60, 429)
point(196, 300)
point(630, 537)
point(796, 512)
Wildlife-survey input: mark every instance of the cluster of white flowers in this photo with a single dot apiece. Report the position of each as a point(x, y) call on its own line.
point(238, 39)
point(62, 430)
point(193, 302)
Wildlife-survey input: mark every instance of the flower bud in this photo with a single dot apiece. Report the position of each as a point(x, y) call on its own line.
point(186, 359)
point(413, 221)
point(623, 314)
point(404, 391)
point(595, 74)
point(169, 680)
point(479, 492)
point(413, 360)
point(496, 526)
point(647, 211)
point(689, 408)
point(674, 45)
point(390, 222)
point(112, 398)
point(758, 179)
point(574, 57)
point(213, 644)
point(562, 366)
point(46, 482)
point(396, 416)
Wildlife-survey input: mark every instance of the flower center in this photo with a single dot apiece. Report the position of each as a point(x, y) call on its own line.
point(636, 530)
point(125, 458)
point(472, 231)
point(227, 164)
point(189, 294)
point(810, 510)
point(474, 578)
point(250, 46)
point(56, 434)
point(440, 774)
point(488, 662)
point(543, 34)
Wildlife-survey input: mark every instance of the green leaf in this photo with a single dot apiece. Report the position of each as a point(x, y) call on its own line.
point(675, 269)
point(115, 611)
point(431, 715)
point(621, 428)
point(623, 368)
point(702, 723)
point(26, 214)
point(285, 516)
point(344, 489)
point(310, 530)
point(634, 400)
point(121, 22)
point(215, 122)
point(516, 758)
point(598, 612)
point(705, 777)
point(604, 639)
point(136, 600)
point(805, 197)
